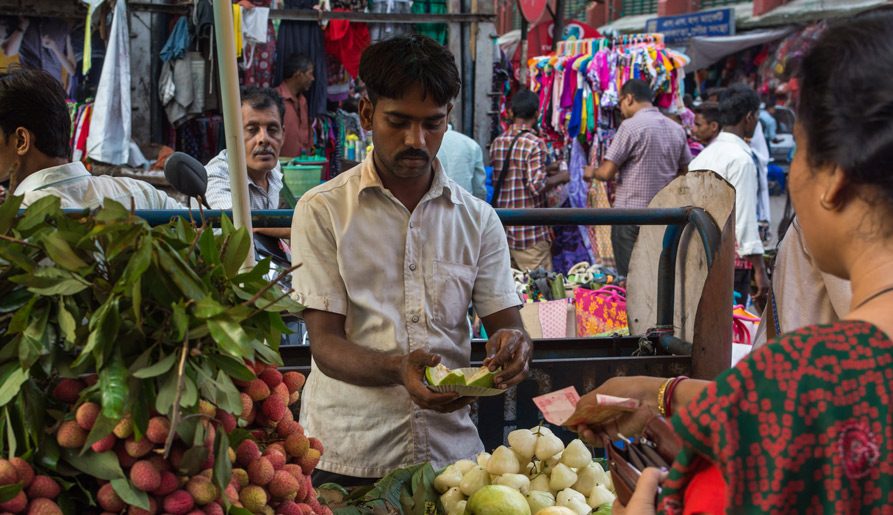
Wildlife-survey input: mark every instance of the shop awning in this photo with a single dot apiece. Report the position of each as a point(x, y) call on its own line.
point(706, 51)
point(806, 11)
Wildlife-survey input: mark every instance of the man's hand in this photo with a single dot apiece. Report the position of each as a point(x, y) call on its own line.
point(763, 286)
point(509, 349)
point(412, 375)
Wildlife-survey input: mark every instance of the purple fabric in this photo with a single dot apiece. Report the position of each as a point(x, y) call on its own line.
point(570, 83)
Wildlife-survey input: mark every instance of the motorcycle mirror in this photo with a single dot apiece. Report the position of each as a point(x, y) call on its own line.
point(187, 176)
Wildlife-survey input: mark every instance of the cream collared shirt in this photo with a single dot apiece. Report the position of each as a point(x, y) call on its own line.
point(403, 281)
point(77, 188)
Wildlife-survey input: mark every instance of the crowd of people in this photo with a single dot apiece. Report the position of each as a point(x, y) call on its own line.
point(393, 252)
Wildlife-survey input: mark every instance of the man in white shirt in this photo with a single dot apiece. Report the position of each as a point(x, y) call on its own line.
point(730, 156)
point(392, 253)
point(463, 161)
point(35, 130)
point(262, 117)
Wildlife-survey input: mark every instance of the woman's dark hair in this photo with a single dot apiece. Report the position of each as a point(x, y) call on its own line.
point(639, 89)
point(391, 68)
point(263, 98)
point(846, 104)
point(525, 104)
point(735, 103)
point(33, 99)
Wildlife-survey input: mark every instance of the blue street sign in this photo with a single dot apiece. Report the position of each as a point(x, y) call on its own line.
point(676, 29)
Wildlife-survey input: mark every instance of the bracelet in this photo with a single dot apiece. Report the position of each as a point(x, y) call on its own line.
point(661, 394)
point(668, 398)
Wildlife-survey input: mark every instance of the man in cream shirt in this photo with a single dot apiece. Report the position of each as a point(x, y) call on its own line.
point(392, 254)
point(34, 145)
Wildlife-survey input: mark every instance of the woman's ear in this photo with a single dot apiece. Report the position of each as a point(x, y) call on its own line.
point(834, 188)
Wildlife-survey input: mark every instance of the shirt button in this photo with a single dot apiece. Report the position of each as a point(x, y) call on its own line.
point(411, 225)
point(415, 318)
point(412, 267)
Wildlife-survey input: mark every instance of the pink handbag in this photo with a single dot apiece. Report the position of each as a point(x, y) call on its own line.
point(601, 312)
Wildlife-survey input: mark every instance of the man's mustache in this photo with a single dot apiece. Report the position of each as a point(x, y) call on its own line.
point(261, 151)
point(413, 154)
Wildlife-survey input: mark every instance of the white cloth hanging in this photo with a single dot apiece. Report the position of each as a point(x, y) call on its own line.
point(109, 139)
point(254, 25)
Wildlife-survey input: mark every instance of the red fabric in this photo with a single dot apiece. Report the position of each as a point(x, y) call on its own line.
point(706, 493)
point(346, 41)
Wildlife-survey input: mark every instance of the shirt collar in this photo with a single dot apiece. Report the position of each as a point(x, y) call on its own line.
point(645, 110)
point(285, 92)
point(728, 137)
point(51, 176)
point(369, 179)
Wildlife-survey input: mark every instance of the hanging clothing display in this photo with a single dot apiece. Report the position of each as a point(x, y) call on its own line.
point(304, 37)
point(110, 128)
point(382, 31)
point(34, 55)
point(436, 31)
point(345, 41)
point(258, 58)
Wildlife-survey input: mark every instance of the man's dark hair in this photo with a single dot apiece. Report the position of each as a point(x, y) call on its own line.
point(735, 103)
point(35, 100)
point(296, 62)
point(715, 93)
point(845, 112)
point(263, 98)
point(525, 104)
point(710, 111)
point(391, 68)
point(639, 89)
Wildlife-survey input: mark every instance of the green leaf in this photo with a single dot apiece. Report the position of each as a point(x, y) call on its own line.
point(7, 492)
point(9, 210)
point(114, 388)
point(34, 342)
point(227, 395)
point(11, 440)
point(123, 241)
point(235, 510)
point(104, 326)
point(52, 281)
point(137, 265)
point(158, 368)
point(136, 302)
point(268, 353)
point(179, 272)
point(207, 308)
point(48, 454)
point(165, 399)
point(235, 250)
point(424, 495)
point(129, 494)
point(223, 468)
point(113, 212)
point(36, 213)
point(207, 244)
point(67, 324)
point(11, 378)
point(193, 459)
point(232, 367)
point(61, 252)
point(189, 396)
point(230, 336)
point(103, 465)
point(180, 319)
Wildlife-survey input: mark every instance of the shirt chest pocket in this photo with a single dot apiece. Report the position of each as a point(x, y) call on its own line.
point(452, 286)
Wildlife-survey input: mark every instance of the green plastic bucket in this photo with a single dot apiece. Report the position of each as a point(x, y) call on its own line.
point(299, 179)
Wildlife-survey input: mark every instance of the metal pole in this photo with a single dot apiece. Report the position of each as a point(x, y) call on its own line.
point(522, 75)
point(231, 106)
point(558, 24)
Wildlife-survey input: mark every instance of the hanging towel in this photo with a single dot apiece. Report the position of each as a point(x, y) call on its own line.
point(178, 42)
point(110, 128)
point(254, 25)
point(237, 28)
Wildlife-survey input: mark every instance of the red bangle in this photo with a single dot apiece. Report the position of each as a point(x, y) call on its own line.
point(668, 397)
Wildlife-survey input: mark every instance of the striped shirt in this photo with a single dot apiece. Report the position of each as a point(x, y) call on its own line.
point(525, 182)
point(220, 196)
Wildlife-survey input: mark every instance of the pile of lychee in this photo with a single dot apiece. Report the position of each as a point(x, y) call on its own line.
point(38, 492)
point(270, 469)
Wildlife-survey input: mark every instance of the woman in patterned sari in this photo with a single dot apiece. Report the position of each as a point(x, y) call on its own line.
point(805, 423)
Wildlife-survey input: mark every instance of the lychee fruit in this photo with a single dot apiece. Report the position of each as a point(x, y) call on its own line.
point(207, 408)
point(24, 471)
point(105, 444)
point(247, 405)
point(231, 494)
point(274, 408)
point(260, 471)
point(289, 508)
point(159, 462)
point(283, 485)
point(86, 415)
point(136, 510)
point(253, 498)
point(169, 483)
point(213, 508)
point(70, 435)
point(295, 470)
point(126, 460)
point(178, 503)
point(43, 506)
point(227, 420)
point(124, 428)
point(68, 390)
point(296, 445)
point(276, 457)
point(138, 449)
point(44, 487)
point(294, 381)
point(90, 379)
point(8, 473)
point(309, 460)
point(108, 499)
point(15, 505)
point(294, 398)
point(258, 390)
point(145, 476)
point(158, 429)
point(202, 490)
point(281, 391)
point(316, 443)
point(247, 452)
point(240, 476)
point(271, 376)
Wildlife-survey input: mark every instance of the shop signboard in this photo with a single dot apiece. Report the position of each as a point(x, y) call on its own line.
point(681, 28)
point(532, 9)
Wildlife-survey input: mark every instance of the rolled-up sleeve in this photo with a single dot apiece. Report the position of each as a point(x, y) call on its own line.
point(747, 231)
point(494, 288)
point(317, 283)
point(219, 195)
point(536, 168)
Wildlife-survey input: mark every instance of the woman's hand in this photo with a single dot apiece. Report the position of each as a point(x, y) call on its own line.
point(629, 423)
point(642, 501)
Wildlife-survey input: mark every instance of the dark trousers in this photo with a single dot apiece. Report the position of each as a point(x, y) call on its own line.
point(742, 284)
point(321, 477)
point(623, 237)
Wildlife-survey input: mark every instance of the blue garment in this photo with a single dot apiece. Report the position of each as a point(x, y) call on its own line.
point(770, 125)
point(178, 42)
point(573, 126)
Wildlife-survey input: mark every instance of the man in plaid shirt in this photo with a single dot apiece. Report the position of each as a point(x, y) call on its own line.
point(527, 179)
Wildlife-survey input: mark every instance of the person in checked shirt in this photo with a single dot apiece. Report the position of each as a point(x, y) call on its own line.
point(523, 181)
